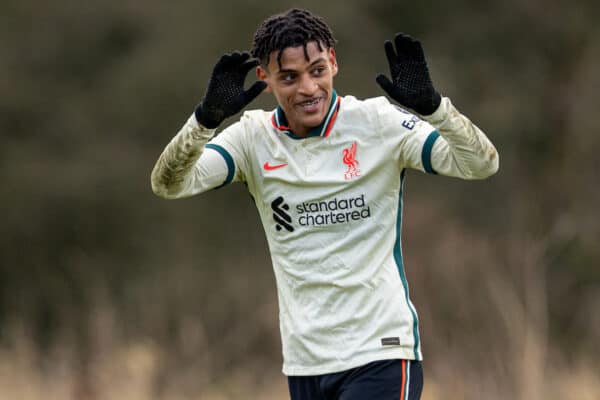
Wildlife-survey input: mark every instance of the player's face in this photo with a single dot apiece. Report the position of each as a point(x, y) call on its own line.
point(303, 88)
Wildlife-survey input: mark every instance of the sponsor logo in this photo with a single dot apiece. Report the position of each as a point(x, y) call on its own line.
point(411, 121)
point(319, 213)
point(349, 158)
point(334, 211)
point(282, 218)
point(269, 167)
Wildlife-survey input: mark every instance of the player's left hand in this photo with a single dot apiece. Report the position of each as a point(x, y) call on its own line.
point(411, 85)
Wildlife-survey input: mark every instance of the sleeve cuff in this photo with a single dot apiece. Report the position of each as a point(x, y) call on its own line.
point(440, 114)
point(198, 131)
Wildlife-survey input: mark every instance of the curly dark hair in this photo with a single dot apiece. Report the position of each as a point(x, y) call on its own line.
point(295, 27)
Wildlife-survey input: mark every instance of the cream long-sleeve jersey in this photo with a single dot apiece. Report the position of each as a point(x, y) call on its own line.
point(331, 208)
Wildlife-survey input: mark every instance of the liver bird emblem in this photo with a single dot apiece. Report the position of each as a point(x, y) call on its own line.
point(349, 158)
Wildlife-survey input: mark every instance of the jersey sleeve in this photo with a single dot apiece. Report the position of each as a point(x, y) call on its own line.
point(463, 150)
point(446, 143)
point(195, 161)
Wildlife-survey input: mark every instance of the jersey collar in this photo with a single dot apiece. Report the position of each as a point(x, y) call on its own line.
point(280, 122)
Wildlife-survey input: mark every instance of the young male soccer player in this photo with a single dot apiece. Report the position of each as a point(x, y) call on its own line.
point(326, 173)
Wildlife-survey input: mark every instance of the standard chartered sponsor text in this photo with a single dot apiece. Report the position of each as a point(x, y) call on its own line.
point(334, 211)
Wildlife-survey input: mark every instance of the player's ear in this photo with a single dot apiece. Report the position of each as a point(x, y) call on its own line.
point(261, 74)
point(333, 61)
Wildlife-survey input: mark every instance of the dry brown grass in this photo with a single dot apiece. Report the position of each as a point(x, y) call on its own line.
point(129, 373)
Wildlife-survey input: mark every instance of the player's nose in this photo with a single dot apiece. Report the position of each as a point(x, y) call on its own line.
point(307, 85)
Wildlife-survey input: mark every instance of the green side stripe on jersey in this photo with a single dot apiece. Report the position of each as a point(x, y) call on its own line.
point(228, 160)
point(426, 153)
point(400, 265)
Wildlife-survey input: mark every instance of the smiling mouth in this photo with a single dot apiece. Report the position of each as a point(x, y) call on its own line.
point(311, 105)
point(310, 102)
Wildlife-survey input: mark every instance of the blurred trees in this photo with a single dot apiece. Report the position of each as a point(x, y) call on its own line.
point(91, 93)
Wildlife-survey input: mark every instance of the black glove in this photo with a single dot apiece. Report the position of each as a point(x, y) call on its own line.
point(411, 86)
point(225, 94)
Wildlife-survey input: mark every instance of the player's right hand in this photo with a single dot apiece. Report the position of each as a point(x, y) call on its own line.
point(225, 94)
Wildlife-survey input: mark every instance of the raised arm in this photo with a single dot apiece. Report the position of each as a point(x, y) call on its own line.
point(462, 150)
point(181, 169)
point(458, 147)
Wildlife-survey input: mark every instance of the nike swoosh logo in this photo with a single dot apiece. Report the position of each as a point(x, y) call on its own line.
point(269, 167)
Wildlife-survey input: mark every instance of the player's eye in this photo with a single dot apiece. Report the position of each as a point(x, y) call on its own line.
point(287, 78)
point(318, 71)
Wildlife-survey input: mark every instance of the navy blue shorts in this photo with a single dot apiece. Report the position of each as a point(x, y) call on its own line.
point(379, 380)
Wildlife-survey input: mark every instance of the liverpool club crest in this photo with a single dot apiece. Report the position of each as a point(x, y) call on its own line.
point(349, 158)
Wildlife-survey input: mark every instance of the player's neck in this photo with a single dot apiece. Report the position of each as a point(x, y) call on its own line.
point(280, 121)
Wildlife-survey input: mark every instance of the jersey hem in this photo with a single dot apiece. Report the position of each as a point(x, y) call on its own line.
point(330, 368)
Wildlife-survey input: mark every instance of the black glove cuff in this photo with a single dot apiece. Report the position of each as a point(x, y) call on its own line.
point(205, 120)
point(429, 106)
